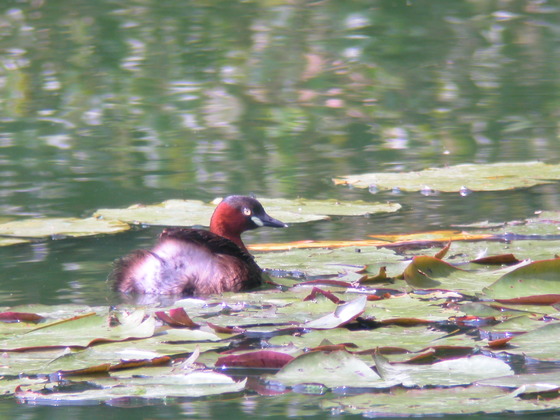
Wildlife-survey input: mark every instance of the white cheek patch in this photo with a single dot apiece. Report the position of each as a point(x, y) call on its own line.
point(257, 221)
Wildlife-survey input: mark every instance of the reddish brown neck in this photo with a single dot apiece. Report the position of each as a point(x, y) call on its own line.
point(227, 222)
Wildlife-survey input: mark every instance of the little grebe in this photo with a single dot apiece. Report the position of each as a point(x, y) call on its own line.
point(198, 262)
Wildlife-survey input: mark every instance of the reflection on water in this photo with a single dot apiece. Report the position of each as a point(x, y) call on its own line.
point(110, 103)
point(106, 104)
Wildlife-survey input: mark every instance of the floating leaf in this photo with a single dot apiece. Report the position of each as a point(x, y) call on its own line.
point(527, 383)
point(341, 316)
point(475, 177)
point(443, 252)
point(424, 271)
point(257, 359)
point(549, 299)
point(302, 210)
point(436, 402)
point(380, 240)
point(168, 213)
point(314, 262)
point(80, 332)
point(460, 371)
point(54, 227)
point(195, 384)
point(194, 212)
point(19, 316)
point(540, 343)
point(536, 278)
point(331, 369)
point(497, 260)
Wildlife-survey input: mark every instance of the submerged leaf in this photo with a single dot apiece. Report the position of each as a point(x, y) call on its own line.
point(80, 332)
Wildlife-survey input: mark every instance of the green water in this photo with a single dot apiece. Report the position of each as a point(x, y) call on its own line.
point(110, 103)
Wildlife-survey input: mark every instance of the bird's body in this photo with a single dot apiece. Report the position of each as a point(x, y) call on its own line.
point(196, 261)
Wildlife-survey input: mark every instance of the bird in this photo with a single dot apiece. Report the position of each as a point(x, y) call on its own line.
point(197, 262)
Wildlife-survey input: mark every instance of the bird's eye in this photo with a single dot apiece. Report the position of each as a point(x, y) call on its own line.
point(247, 211)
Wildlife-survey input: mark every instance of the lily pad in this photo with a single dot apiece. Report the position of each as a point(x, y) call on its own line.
point(194, 212)
point(430, 272)
point(313, 262)
point(540, 343)
point(536, 278)
point(301, 210)
point(527, 383)
point(168, 213)
point(60, 227)
point(194, 384)
point(330, 369)
point(475, 177)
point(342, 315)
point(461, 371)
point(456, 400)
point(81, 331)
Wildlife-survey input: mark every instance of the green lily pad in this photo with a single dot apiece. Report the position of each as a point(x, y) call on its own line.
point(193, 384)
point(302, 210)
point(461, 371)
point(193, 212)
point(81, 332)
point(54, 227)
point(528, 383)
point(425, 329)
point(330, 369)
point(321, 261)
point(168, 213)
point(341, 316)
point(423, 271)
point(536, 278)
point(475, 177)
point(430, 272)
point(540, 343)
point(425, 402)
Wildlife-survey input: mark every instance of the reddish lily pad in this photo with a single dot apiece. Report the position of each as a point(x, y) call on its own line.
point(257, 359)
point(20, 316)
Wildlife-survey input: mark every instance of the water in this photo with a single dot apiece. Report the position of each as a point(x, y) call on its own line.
point(111, 103)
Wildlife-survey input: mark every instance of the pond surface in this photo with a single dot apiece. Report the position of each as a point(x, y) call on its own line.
point(111, 103)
